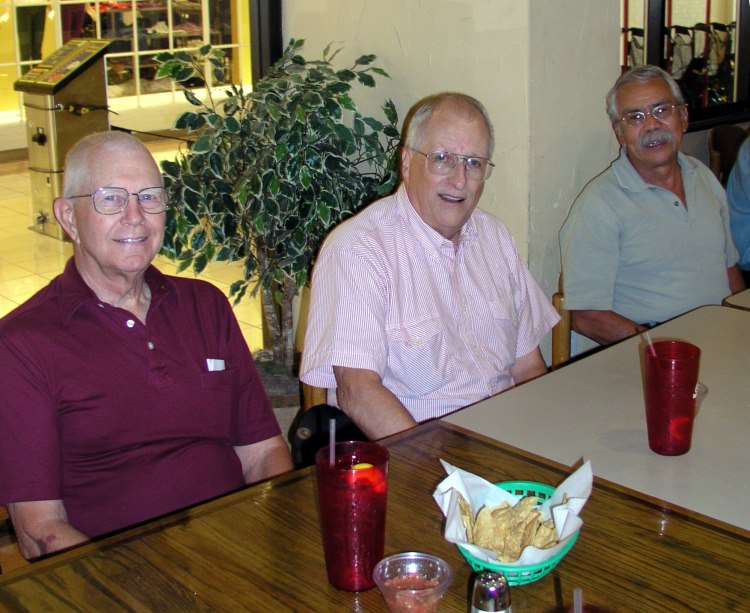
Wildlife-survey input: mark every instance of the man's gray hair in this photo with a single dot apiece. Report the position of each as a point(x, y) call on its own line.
point(641, 74)
point(423, 110)
point(81, 157)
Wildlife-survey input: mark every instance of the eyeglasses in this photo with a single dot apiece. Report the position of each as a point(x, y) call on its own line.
point(113, 200)
point(661, 113)
point(444, 163)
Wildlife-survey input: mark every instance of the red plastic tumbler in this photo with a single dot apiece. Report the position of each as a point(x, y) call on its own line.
point(671, 377)
point(352, 495)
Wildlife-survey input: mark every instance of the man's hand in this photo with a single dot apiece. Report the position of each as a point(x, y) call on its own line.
point(736, 280)
point(529, 366)
point(363, 397)
point(42, 527)
point(604, 327)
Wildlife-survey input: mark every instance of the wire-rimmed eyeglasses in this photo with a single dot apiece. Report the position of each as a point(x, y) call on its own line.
point(113, 200)
point(445, 162)
point(661, 113)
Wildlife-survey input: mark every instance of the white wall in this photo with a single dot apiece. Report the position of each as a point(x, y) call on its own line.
point(574, 61)
point(479, 47)
point(541, 67)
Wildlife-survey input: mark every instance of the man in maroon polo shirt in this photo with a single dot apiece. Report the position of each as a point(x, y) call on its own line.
point(125, 394)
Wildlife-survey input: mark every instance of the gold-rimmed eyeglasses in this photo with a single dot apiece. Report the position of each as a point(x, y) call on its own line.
point(445, 162)
point(661, 113)
point(113, 200)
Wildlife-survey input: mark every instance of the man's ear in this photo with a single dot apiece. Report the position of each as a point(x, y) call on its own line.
point(405, 161)
point(684, 118)
point(617, 129)
point(65, 215)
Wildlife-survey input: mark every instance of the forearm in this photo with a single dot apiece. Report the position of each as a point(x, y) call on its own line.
point(529, 367)
point(604, 327)
point(736, 281)
point(264, 460)
point(42, 528)
point(373, 407)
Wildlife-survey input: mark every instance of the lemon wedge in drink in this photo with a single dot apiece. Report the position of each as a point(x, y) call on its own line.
point(361, 465)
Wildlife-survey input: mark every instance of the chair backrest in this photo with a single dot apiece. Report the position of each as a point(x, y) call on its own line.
point(723, 145)
point(561, 330)
point(10, 554)
point(311, 432)
point(313, 396)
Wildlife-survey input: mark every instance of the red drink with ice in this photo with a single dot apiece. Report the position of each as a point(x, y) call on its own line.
point(671, 377)
point(352, 496)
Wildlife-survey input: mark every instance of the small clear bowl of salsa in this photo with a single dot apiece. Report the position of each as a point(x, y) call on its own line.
point(412, 582)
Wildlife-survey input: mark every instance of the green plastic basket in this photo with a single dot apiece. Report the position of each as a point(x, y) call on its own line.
point(515, 574)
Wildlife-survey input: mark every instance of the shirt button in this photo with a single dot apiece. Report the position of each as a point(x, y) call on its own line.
point(130, 323)
point(100, 305)
point(677, 203)
point(150, 345)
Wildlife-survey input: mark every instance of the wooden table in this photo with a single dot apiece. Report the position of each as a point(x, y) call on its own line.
point(594, 409)
point(260, 549)
point(740, 300)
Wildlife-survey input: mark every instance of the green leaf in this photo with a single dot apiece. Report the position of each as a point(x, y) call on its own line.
point(335, 89)
point(274, 184)
point(170, 168)
point(365, 79)
point(210, 251)
point(202, 145)
point(346, 75)
point(364, 60)
point(199, 264)
point(305, 177)
point(232, 126)
point(199, 239)
point(191, 97)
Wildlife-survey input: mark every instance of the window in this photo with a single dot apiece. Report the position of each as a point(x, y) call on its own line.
point(704, 44)
point(137, 30)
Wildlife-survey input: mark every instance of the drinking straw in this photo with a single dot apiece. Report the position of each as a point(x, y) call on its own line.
point(331, 440)
point(578, 600)
point(650, 343)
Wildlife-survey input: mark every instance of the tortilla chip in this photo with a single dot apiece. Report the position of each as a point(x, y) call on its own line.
point(467, 517)
point(546, 535)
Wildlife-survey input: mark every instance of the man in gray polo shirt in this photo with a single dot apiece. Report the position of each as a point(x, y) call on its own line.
point(648, 239)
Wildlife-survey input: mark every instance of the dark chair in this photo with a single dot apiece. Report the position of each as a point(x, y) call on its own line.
point(723, 145)
point(311, 432)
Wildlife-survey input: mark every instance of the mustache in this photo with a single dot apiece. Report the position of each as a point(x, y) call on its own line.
point(656, 136)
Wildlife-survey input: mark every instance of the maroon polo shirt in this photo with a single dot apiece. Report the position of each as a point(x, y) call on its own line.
point(125, 421)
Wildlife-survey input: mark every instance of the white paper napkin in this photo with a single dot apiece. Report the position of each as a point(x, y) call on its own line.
point(479, 492)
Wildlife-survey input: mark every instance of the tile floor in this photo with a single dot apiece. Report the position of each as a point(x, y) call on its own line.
point(29, 259)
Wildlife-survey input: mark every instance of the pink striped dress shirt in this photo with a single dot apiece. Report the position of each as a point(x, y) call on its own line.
point(441, 326)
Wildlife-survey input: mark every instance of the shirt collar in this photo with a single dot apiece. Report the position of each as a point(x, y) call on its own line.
point(74, 292)
point(431, 239)
point(629, 178)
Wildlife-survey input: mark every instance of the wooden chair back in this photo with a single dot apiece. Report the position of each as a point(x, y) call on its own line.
point(312, 396)
point(10, 554)
point(561, 331)
point(723, 145)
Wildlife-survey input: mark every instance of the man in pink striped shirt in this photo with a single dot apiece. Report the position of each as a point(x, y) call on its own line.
point(421, 304)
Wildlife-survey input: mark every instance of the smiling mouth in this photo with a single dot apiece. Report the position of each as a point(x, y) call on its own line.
point(130, 241)
point(451, 199)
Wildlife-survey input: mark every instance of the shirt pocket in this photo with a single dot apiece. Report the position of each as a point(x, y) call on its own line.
point(498, 327)
point(418, 358)
point(219, 397)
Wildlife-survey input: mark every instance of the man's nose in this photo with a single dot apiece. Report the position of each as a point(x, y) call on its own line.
point(458, 175)
point(133, 207)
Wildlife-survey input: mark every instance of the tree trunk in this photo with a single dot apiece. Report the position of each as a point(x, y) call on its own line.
point(280, 321)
